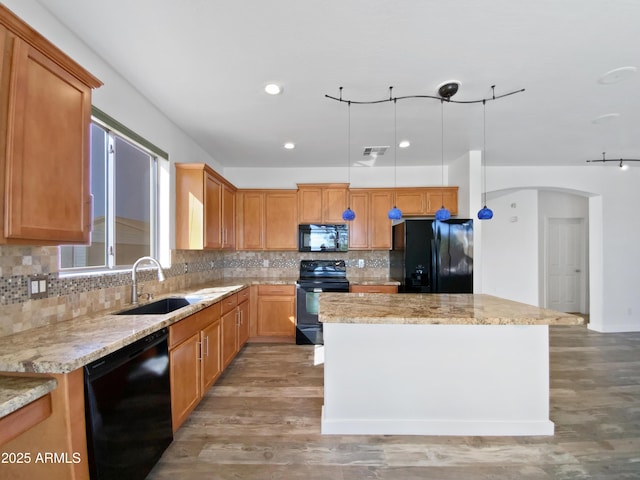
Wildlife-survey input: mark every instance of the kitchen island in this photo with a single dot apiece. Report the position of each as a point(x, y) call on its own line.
point(436, 364)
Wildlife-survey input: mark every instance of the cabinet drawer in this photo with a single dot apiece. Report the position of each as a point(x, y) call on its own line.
point(187, 327)
point(243, 295)
point(285, 290)
point(229, 303)
point(373, 289)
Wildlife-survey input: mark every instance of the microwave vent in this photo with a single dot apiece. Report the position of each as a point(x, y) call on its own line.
point(374, 151)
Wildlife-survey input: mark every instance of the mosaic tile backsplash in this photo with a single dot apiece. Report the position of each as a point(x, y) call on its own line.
point(71, 296)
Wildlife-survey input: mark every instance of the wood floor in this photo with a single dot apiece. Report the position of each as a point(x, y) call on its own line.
point(262, 421)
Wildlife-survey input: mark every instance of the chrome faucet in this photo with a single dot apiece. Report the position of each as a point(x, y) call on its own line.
point(134, 285)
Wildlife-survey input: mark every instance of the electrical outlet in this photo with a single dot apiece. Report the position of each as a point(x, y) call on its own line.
point(361, 263)
point(265, 263)
point(37, 286)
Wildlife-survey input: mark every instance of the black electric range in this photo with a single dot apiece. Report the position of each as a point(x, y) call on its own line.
point(316, 276)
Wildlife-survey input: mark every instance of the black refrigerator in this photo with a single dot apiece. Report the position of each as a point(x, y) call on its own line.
point(432, 256)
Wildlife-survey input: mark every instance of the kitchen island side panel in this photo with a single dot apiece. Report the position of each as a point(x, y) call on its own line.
point(436, 379)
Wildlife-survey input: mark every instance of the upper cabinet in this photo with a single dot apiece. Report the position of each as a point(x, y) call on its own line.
point(267, 220)
point(322, 202)
point(371, 229)
point(45, 115)
point(427, 200)
point(205, 208)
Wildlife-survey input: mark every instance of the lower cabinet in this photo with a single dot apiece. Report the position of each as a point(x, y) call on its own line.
point(194, 360)
point(373, 288)
point(235, 324)
point(276, 316)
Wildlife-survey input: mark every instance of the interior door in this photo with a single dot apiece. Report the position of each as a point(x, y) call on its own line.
point(565, 264)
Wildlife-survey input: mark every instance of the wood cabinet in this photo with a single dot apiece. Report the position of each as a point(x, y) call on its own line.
point(25, 418)
point(228, 216)
point(244, 317)
point(194, 360)
point(205, 208)
point(45, 115)
point(235, 324)
point(322, 202)
point(371, 229)
point(426, 201)
point(276, 317)
point(229, 324)
point(267, 220)
point(373, 288)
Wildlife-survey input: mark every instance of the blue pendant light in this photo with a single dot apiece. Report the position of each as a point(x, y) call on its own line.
point(443, 213)
point(485, 213)
point(395, 213)
point(348, 215)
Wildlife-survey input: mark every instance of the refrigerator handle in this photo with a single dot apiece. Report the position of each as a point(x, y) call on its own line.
point(433, 271)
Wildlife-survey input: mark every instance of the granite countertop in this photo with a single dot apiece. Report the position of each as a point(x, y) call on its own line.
point(16, 392)
point(66, 346)
point(433, 309)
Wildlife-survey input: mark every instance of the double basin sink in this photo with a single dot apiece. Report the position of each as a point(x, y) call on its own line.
point(161, 307)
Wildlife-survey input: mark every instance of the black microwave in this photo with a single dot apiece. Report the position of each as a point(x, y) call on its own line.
point(313, 237)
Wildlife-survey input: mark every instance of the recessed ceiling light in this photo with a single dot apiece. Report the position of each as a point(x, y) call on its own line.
point(404, 144)
point(289, 145)
point(607, 117)
point(616, 75)
point(273, 89)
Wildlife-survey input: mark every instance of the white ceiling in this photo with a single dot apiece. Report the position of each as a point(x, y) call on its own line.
point(204, 63)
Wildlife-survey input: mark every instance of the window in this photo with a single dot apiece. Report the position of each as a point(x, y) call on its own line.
point(124, 185)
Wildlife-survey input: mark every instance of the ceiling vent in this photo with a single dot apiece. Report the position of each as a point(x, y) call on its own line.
point(374, 151)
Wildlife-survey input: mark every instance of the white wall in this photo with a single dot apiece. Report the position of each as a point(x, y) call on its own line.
point(361, 177)
point(614, 228)
point(510, 247)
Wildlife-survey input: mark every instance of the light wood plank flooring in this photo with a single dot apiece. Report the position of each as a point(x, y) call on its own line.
point(262, 421)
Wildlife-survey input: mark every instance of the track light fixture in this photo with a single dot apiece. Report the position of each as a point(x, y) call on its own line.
point(621, 161)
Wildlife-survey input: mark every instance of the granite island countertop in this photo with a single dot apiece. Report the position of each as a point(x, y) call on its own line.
point(434, 309)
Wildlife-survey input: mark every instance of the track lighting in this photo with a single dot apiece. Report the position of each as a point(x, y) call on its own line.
point(623, 166)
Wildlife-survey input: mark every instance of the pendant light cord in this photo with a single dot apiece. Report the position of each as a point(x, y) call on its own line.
point(348, 143)
point(484, 150)
point(442, 140)
point(395, 142)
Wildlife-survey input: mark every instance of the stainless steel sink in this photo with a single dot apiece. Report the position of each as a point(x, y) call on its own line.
point(160, 307)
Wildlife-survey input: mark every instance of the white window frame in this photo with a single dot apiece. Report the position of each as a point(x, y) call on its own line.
point(157, 179)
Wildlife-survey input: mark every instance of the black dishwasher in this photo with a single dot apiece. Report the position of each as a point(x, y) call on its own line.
point(128, 409)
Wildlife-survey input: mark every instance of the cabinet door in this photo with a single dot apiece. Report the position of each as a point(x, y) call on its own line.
point(281, 221)
point(211, 359)
point(380, 203)
point(310, 205)
point(447, 196)
point(359, 227)
point(243, 325)
point(184, 366)
point(228, 218)
point(334, 202)
point(229, 336)
point(276, 316)
point(213, 212)
point(411, 202)
point(250, 221)
point(47, 151)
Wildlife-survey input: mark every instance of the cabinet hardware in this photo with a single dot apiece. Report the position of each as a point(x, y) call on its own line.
point(199, 351)
point(207, 344)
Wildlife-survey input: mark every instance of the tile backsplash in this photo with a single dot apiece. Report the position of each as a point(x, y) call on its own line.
point(69, 296)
